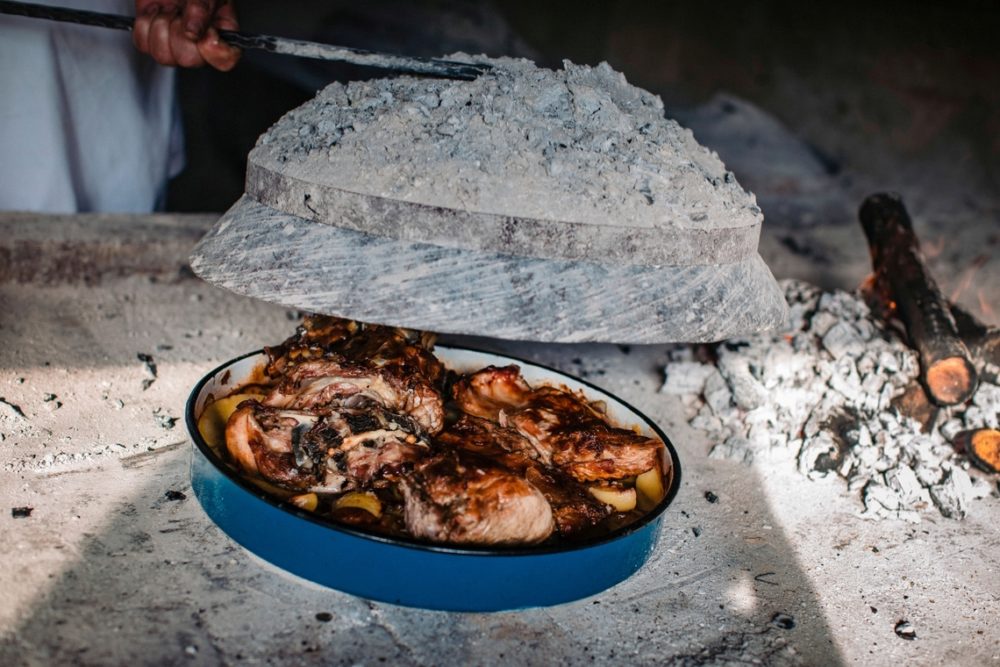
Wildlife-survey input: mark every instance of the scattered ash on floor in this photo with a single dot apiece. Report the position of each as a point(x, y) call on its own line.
point(828, 392)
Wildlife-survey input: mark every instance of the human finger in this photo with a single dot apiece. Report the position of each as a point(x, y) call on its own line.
point(159, 39)
point(198, 15)
point(144, 13)
point(217, 53)
point(184, 50)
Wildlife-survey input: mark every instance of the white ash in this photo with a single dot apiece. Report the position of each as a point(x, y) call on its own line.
point(822, 391)
point(13, 421)
point(61, 460)
point(578, 144)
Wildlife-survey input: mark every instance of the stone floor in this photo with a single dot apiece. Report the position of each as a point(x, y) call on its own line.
point(107, 570)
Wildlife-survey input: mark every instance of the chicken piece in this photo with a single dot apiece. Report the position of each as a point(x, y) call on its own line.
point(331, 363)
point(460, 498)
point(321, 336)
point(566, 430)
point(374, 445)
point(487, 438)
point(573, 507)
point(267, 441)
point(328, 384)
point(317, 335)
point(491, 390)
point(563, 429)
point(331, 452)
point(383, 346)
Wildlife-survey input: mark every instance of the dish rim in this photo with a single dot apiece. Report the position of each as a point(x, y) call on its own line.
point(232, 475)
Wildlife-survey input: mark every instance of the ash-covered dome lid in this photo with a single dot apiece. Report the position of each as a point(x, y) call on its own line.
point(528, 204)
point(567, 164)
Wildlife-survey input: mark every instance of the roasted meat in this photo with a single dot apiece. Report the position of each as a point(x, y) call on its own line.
point(461, 498)
point(492, 390)
point(317, 336)
point(332, 363)
point(573, 507)
point(487, 438)
point(369, 445)
point(329, 384)
point(322, 336)
point(564, 430)
point(567, 431)
point(356, 423)
point(263, 441)
point(332, 452)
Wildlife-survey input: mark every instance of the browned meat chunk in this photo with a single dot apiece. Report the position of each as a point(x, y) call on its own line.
point(328, 384)
point(487, 392)
point(487, 438)
point(314, 338)
point(573, 507)
point(368, 445)
point(335, 451)
point(332, 363)
point(460, 498)
point(261, 440)
point(323, 336)
point(563, 429)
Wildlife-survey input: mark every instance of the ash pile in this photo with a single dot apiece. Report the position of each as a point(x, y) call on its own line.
point(836, 392)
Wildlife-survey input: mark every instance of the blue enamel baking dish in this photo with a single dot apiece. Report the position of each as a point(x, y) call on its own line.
point(409, 572)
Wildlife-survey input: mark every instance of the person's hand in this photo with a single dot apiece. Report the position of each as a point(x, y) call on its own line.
point(184, 32)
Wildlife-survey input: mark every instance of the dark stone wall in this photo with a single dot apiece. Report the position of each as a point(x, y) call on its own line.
point(896, 93)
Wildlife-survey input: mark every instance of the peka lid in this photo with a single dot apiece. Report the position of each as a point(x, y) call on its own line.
point(526, 204)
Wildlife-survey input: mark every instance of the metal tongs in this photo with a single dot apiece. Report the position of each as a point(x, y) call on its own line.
point(450, 69)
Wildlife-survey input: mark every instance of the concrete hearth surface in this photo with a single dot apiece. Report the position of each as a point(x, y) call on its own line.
point(103, 331)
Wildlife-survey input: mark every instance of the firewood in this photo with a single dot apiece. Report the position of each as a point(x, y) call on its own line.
point(946, 367)
point(982, 446)
point(915, 404)
point(983, 342)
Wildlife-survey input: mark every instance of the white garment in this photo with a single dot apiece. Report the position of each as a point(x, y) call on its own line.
point(86, 122)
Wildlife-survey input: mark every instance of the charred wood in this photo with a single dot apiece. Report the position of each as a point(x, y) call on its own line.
point(915, 404)
point(946, 367)
point(982, 446)
point(983, 342)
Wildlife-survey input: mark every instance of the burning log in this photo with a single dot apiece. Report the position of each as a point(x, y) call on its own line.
point(915, 404)
point(946, 368)
point(982, 446)
point(983, 343)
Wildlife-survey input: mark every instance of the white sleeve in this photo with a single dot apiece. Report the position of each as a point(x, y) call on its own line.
point(86, 122)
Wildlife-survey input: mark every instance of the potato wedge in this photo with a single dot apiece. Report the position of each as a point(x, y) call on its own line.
point(306, 501)
point(212, 423)
point(364, 500)
point(623, 500)
point(650, 487)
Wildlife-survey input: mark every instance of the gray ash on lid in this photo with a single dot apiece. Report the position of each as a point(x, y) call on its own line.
point(824, 392)
point(559, 192)
point(578, 144)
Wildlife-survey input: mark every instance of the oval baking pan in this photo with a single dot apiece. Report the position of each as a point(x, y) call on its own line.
point(409, 572)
